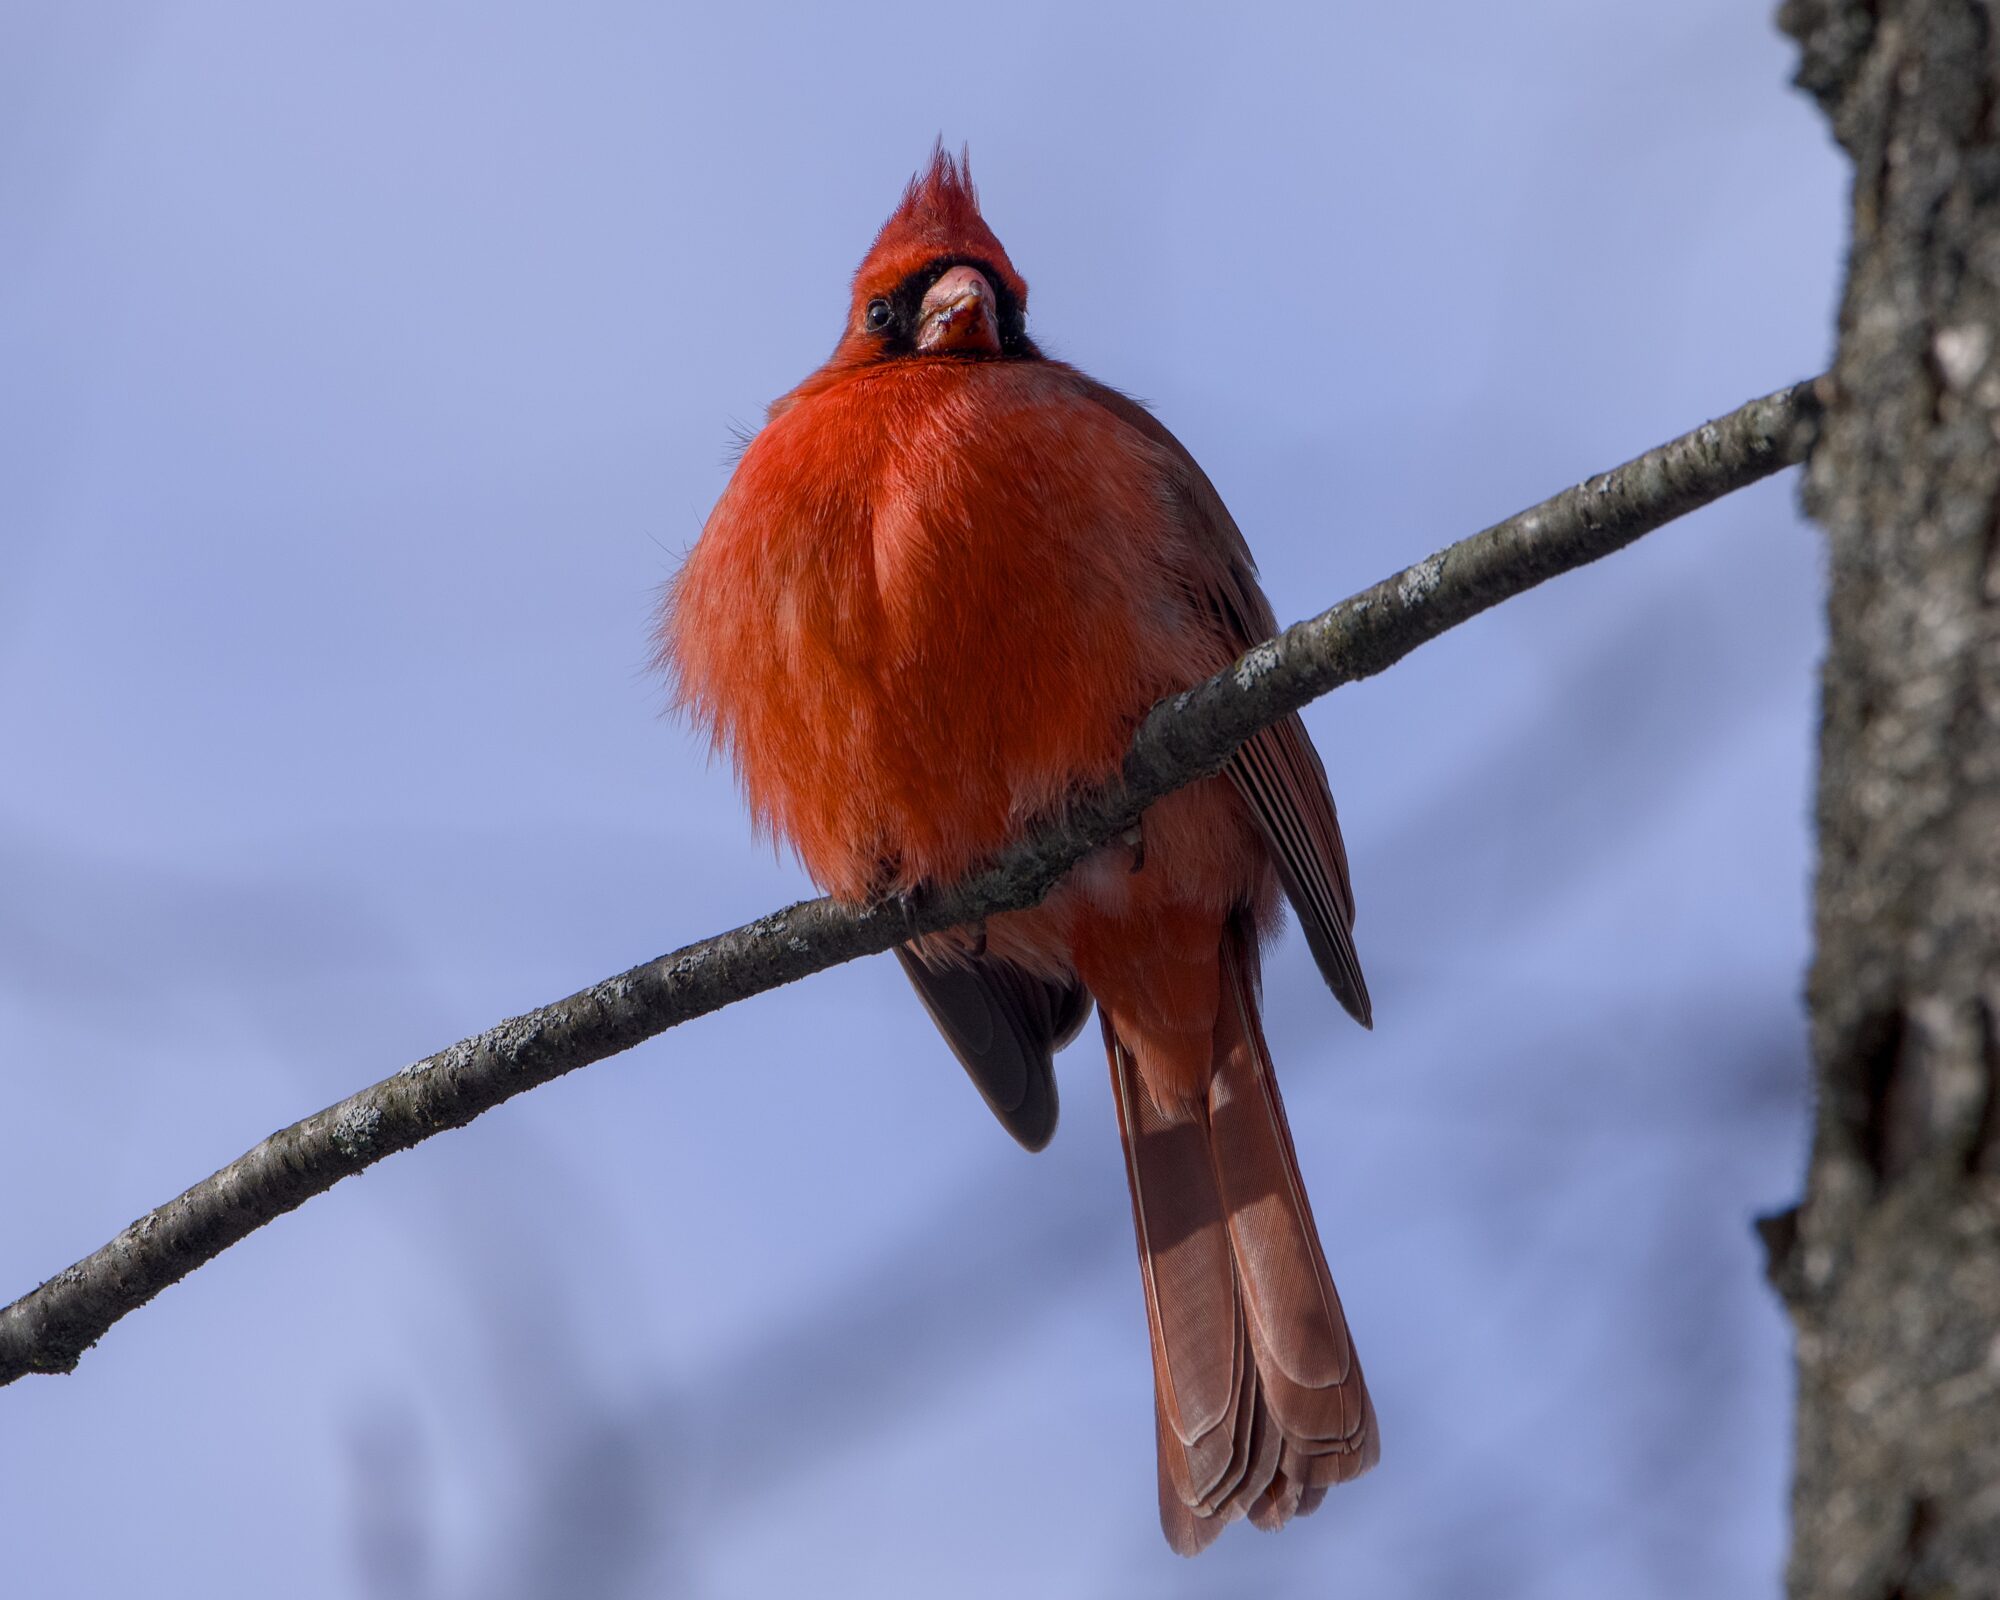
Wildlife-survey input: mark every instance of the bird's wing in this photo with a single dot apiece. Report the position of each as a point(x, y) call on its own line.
point(1278, 772)
point(1005, 1026)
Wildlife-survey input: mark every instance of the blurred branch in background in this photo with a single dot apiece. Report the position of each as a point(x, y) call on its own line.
point(1184, 738)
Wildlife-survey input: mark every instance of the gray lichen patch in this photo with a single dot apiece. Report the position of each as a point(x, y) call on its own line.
point(1256, 664)
point(354, 1131)
point(1418, 583)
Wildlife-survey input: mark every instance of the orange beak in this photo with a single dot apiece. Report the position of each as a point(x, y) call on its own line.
point(960, 315)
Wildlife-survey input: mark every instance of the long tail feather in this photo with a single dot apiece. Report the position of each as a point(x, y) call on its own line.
point(1260, 1399)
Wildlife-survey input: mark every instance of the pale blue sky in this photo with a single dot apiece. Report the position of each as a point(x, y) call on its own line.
point(368, 366)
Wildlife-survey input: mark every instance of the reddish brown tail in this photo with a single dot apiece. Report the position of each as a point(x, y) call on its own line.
point(1259, 1395)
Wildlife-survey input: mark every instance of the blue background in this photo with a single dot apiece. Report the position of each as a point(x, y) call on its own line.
point(368, 366)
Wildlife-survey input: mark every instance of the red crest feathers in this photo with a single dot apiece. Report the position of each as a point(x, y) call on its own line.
point(938, 219)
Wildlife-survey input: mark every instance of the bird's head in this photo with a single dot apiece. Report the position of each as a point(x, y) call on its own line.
point(936, 282)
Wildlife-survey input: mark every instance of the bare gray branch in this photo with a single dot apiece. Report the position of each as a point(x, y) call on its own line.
point(1182, 739)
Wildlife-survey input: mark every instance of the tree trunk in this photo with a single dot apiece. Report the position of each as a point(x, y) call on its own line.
point(1891, 1265)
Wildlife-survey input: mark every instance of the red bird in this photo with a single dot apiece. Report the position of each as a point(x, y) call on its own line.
point(947, 580)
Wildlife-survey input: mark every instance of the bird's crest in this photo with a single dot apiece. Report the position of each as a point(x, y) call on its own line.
point(938, 220)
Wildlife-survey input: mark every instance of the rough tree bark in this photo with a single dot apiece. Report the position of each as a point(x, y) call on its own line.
point(1891, 1266)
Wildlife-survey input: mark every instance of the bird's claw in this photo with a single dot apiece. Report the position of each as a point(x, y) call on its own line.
point(898, 903)
point(1135, 838)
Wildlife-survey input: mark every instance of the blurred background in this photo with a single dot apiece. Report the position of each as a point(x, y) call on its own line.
point(367, 368)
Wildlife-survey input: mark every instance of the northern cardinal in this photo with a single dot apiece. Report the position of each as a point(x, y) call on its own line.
point(945, 583)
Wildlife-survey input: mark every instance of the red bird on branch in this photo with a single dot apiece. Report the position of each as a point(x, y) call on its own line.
point(947, 580)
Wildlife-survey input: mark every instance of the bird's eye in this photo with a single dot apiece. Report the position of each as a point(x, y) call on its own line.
point(878, 315)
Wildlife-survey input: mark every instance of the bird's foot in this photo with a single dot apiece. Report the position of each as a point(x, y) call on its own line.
point(898, 900)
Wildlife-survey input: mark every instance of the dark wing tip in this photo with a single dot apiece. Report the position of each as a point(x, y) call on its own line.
point(1281, 779)
point(1329, 939)
point(1004, 1026)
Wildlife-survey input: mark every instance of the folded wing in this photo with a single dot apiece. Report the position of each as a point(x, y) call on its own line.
point(1278, 772)
point(1005, 1026)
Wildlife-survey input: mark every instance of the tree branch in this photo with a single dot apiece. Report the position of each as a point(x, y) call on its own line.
point(1183, 738)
